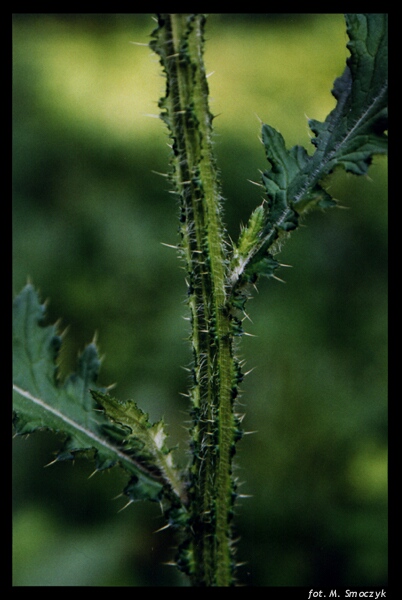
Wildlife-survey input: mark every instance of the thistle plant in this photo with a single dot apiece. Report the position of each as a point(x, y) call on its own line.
point(198, 499)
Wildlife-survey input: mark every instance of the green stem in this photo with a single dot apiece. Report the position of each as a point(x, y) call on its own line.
point(207, 554)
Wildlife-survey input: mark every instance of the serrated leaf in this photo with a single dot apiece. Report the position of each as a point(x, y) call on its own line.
point(354, 131)
point(349, 137)
point(290, 169)
point(140, 438)
point(41, 401)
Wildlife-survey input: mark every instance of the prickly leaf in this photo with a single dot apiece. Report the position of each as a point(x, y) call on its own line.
point(349, 137)
point(140, 438)
point(41, 401)
point(354, 131)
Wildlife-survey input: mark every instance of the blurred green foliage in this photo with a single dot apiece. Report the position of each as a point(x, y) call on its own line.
point(89, 214)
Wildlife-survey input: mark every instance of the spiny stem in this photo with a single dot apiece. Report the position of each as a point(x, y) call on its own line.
point(208, 554)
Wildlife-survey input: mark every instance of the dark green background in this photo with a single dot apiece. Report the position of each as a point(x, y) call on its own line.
point(89, 218)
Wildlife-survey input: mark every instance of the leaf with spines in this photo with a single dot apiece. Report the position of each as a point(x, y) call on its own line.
point(349, 137)
point(354, 130)
point(141, 439)
point(41, 401)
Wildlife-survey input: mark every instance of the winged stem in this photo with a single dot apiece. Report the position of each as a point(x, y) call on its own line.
point(195, 179)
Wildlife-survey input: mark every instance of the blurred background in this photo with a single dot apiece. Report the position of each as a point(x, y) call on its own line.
point(89, 216)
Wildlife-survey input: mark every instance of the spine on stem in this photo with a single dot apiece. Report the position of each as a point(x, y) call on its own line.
point(207, 553)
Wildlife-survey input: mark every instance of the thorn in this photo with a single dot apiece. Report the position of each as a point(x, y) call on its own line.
point(283, 265)
point(92, 474)
point(249, 334)
point(51, 463)
point(125, 506)
point(248, 372)
point(260, 120)
point(249, 432)
point(240, 418)
point(170, 564)
point(256, 183)
point(209, 74)
point(162, 528)
point(278, 278)
point(244, 496)
point(150, 115)
point(170, 246)
point(139, 44)
point(247, 317)
point(161, 174)
point(63, 334)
